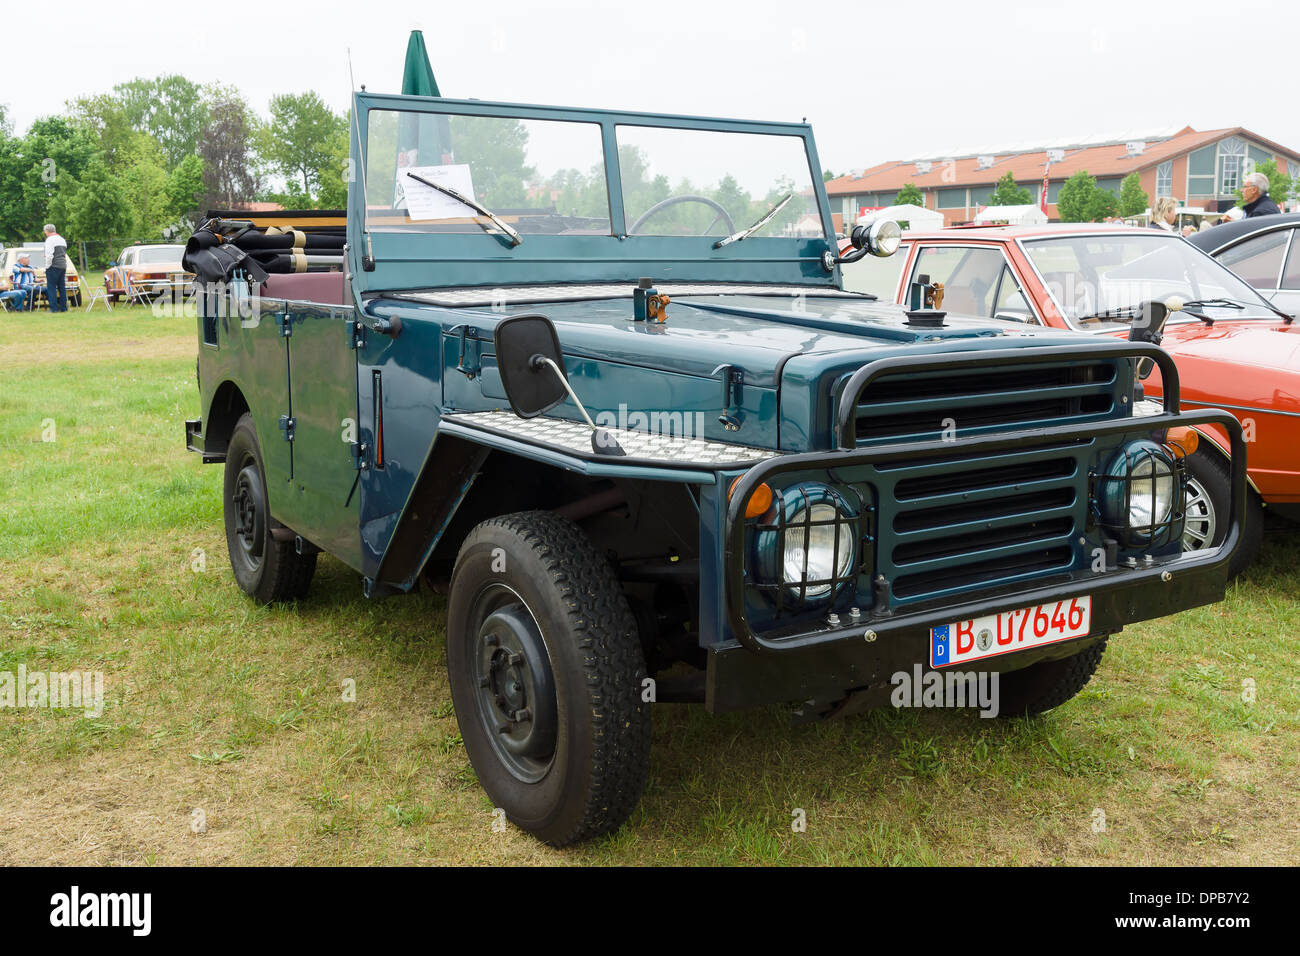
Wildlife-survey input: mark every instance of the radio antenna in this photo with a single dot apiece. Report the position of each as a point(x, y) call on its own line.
point(368, 260)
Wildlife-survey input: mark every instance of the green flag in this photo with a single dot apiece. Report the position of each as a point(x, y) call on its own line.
point(422, 139)
point(417, 77)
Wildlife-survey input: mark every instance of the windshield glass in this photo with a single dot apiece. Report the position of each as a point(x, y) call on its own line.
point(541, 176)
point(160, 254)
point(1091, 274)
point(37, 257)
point(690, 182)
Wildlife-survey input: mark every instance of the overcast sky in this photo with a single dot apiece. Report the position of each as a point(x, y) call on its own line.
point(877, 80)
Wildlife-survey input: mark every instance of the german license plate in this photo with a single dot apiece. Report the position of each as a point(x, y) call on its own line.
point(1010, 631)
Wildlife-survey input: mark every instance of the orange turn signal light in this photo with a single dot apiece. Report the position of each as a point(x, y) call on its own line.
point(758, 502)
point(1182, 441)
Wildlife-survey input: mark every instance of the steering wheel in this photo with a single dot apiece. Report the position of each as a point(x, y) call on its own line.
point(674, 200)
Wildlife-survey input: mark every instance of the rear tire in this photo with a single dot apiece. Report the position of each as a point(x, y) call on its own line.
point(1047, 684)
point(265, 569)
point(1209, 494)
point(546, 672)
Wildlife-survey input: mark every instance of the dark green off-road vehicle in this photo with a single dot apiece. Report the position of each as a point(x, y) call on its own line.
point(595, 374)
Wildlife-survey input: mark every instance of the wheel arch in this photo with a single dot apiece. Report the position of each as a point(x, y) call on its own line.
point(1219, 445)
point(227, 406)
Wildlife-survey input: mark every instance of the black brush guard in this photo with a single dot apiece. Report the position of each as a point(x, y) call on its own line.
point(1197, 574)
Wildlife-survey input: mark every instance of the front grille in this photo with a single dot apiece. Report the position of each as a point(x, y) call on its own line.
point(928, 405)
point(959, 524)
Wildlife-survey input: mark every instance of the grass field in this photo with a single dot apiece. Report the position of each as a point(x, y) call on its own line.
point(112, 559)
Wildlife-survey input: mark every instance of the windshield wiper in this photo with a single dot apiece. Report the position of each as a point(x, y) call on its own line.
point(1239, 304)
point(746, 233)
point(480, 209)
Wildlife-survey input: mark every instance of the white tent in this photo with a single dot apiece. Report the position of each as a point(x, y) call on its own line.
point(1026, 215)
point(907, 216)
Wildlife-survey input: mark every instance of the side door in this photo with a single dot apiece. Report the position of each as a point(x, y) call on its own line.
point(322, 503)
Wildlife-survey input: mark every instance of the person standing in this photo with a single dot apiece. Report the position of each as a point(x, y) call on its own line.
point(56, 269)
point(1254, 195)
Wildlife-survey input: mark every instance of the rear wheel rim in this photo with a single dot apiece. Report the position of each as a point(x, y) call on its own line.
point(1200, 523)
point(250, 522)
point(514, 688)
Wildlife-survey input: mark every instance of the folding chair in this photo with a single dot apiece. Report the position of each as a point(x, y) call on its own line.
point(137, 292)
point(101, 294)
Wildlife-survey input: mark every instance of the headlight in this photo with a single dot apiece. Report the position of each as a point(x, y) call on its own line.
point(884, 237)
point(1138, 495)
point(810, 541)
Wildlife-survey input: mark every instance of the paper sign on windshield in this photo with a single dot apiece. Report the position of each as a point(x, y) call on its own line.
point(424, 202)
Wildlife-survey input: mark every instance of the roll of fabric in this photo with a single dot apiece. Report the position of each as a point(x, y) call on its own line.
point(294, 239)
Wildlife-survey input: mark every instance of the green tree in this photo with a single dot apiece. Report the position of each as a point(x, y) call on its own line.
point(1133, 199)
point(170, 108)
point(50, 159)
point(229, 170)
point(185, 190)
point(299, 142)
point(827, 175)
point(1279, 183)
point(1007, 193)
point(1081, 200)
point(909, 195)
point(98, 209)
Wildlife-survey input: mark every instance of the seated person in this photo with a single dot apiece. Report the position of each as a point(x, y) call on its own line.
point(24, 290)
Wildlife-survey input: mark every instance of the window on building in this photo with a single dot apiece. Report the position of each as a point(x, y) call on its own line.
point(969, 276)
point(1200, 172)
point(951, 199)
point(1053, 191)
point(980, 196)
point(1111, 184)
point(1165, 179)
point(1257, 156)
point(1258, 260)
point(1232, 156)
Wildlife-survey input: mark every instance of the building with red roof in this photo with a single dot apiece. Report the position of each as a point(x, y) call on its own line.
point(1197, 168)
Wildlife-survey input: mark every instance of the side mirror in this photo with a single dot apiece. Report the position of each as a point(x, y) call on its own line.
point(520, 342)
point(532, 373)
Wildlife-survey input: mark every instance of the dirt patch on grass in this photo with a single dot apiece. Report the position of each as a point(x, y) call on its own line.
point(34, 352)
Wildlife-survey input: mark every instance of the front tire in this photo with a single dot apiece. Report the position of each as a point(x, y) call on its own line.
point(1209, 495)
point(265, 569)
point(546, 673)
point(1047, 684)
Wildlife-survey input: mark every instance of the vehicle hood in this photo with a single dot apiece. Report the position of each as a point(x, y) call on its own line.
point(1253, 342)
point(759, 335)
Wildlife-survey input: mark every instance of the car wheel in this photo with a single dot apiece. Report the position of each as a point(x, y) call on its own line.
point(1209, 494)
point(265, 569)
point(1047, 684)
point(546, 672)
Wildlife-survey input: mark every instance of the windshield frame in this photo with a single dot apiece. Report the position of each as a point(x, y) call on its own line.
point(409, 260)
point(1151, 235)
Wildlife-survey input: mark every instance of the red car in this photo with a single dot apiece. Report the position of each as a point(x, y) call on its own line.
point(1233, 349)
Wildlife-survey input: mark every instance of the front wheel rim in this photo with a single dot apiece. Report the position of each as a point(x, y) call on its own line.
point(1200, 523)
point(514, 687)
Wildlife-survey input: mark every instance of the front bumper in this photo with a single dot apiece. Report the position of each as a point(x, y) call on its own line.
point(194, 442)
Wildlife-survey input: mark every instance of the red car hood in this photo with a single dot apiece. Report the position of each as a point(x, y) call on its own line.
point(1247, 342)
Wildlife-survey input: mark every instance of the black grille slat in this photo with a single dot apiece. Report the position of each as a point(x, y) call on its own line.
point(898, 407)
point(999, 512)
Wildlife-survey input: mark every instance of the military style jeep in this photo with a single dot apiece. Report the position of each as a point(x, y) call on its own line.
point(595, 375)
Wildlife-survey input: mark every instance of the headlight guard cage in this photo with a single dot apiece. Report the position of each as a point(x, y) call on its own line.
point(769, 537)
point(1113, 493)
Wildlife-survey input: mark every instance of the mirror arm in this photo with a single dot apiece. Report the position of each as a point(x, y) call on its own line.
point(539, 360)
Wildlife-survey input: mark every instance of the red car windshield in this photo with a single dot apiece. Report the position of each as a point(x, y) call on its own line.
point(1090, 276)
